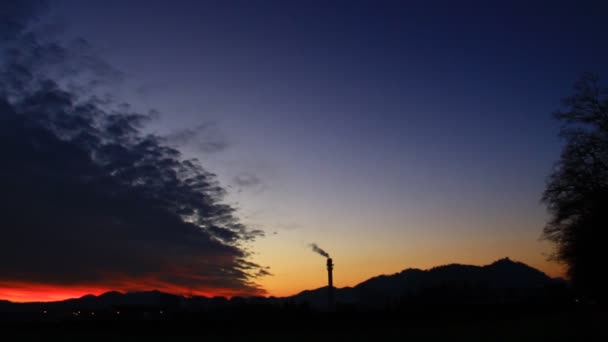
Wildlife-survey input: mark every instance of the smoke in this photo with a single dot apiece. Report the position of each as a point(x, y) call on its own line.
point(319, 250)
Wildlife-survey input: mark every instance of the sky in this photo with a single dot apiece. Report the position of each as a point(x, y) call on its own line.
point(395, 134)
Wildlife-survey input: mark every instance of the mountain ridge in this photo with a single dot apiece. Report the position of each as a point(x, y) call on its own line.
point(501, 280)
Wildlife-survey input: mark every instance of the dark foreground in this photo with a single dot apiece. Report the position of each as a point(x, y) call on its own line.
point(494, 323)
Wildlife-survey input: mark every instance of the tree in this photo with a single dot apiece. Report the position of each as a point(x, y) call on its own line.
point(577, 190)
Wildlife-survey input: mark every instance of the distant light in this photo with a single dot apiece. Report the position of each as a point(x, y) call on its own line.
point(118, 312)
point(161, 312)
point(92, 313)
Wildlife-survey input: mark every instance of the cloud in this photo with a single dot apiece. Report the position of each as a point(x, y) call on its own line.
point(15, 16)
point(206, 137)
point(88, 200)
point(246, 181)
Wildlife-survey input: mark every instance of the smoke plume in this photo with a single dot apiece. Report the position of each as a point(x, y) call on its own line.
point(319, 250)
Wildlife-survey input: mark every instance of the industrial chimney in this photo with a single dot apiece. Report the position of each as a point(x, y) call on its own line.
point(330, 285)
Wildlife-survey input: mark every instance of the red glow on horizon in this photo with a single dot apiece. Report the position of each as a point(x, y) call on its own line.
point(21, 292)
point(44, 293)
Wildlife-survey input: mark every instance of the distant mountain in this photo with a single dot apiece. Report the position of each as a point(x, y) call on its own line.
point(117, 299)
point(502, 281)
point(148, 304)
point(106, 301)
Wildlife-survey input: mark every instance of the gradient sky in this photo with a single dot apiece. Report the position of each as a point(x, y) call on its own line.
point(394, 134)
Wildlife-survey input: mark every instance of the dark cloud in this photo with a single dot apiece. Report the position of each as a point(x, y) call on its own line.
point(15, 16)
point(246, 180)
point(206, 137)
point(87, 198)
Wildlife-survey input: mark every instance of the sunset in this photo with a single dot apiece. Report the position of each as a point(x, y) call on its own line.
point(324, 157)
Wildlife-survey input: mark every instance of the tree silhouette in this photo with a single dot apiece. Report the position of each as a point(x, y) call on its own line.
point(577, 190)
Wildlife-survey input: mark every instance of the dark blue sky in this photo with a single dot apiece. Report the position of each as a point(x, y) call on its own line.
point(391, 132)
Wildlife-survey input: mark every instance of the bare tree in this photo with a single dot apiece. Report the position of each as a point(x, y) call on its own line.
point(577, 190)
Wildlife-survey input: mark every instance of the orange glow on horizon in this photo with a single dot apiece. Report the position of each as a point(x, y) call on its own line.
point(309, 279)
point(350, 275)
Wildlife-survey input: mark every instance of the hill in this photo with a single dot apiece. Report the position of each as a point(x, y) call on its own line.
point(502, 281)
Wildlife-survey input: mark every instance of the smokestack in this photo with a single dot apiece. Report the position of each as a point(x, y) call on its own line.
point(330, 284)
point(330, 279)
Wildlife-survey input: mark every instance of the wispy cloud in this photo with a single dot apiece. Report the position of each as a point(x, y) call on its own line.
point(206, 138)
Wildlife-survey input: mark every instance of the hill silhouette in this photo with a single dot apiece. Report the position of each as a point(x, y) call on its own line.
point(503, 281)
point(505, 299)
